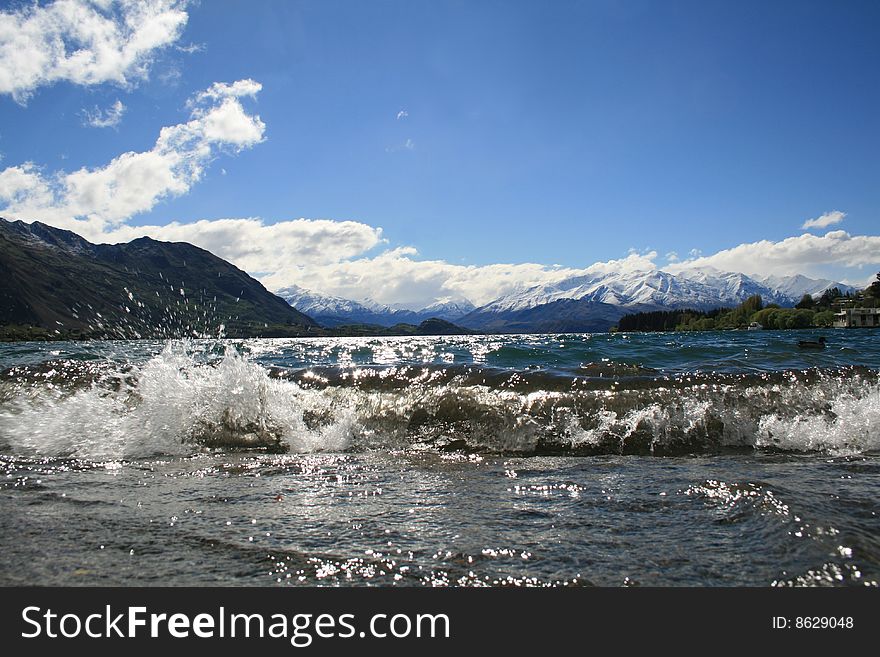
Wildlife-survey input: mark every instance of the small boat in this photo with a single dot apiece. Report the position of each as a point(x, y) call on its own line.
point(754, 326)
point(812, 344)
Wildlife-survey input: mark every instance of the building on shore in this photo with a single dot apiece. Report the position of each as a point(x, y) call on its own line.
point(857, 318)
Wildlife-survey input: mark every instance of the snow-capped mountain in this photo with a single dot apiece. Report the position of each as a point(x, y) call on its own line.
point(449, 308)
point(318, 304)
point(729, 288)
point(596, 301)
point(795, 287)
point(334, 311)
point(655, 288)
point(701, 289)
point(592, 302)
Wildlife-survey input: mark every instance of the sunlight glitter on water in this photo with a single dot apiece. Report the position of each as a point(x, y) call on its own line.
point(420, 472)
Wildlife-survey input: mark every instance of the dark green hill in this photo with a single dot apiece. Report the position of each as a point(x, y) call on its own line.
point(437, 326)
point(54, 284)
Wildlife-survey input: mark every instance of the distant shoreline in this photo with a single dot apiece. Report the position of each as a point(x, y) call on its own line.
point(426, 328)
point(335, 333)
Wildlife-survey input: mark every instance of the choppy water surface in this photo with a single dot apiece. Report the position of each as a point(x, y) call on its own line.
point(729, 458)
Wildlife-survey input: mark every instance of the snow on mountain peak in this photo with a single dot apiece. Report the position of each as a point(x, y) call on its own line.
point(699, 288)
point(370, 311)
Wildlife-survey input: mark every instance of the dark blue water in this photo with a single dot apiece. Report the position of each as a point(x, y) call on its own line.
point(730, 458)
point(711, 351)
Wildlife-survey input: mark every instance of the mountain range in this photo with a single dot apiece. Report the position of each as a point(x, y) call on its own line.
point(54, 283)
point(591, 302)
point(335, 311)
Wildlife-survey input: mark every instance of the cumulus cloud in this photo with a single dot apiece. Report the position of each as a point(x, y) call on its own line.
point(91, 201)
point(398, 276)
point(224, 90)
point(827, 219)
point(402, 114)
point(331, 257)
point(804, 254)
point(334, 257)
point(85, 42)
point(23, 184)
point(255, 246)
point(107, 118)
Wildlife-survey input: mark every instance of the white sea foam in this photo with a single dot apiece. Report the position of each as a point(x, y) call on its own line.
point(176, 403)
point(170, 405)
point(850, 424)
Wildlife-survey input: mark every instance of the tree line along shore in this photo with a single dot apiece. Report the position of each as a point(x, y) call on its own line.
point(808, 313)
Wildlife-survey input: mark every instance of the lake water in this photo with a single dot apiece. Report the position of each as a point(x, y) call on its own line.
point(720, 458)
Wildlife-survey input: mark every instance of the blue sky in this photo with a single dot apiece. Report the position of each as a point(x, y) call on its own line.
point(496, 139)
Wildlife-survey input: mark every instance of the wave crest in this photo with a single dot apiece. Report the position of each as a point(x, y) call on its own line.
point(176, 403)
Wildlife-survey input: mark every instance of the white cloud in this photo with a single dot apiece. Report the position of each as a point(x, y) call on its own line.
point(402, 114)
point(332, 257)
point(24, 184)
point(223, 90)
point(827, 219)
point(92, 201)
point(108, 118)
point(255, 246)
point(191, 48)
point(84, 42)
point(805, 254)
point(397, 276)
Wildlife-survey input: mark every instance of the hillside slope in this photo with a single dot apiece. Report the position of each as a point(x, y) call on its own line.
point(54, 283)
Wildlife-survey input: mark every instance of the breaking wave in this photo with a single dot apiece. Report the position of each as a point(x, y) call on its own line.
point(177, 403)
